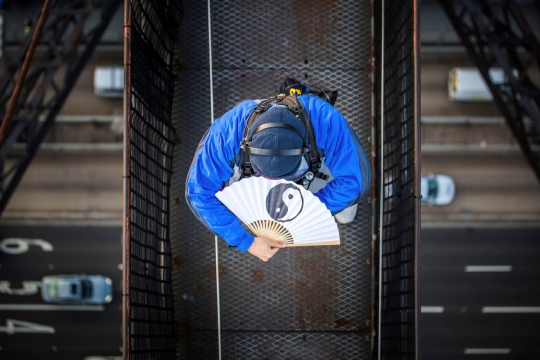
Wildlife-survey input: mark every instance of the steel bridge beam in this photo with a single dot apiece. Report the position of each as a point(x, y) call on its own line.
point(495, 33)
point(69, 37)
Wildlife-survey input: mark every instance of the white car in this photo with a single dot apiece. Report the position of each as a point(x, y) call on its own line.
point(76, 289)
point(109, 81)
point(437, 189)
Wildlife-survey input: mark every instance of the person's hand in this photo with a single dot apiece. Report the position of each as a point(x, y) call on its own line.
point(264, 248)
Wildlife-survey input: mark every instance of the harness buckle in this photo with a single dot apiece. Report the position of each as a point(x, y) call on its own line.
point(243, 143)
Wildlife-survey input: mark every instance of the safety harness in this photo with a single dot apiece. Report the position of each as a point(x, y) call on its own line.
point(308, 149)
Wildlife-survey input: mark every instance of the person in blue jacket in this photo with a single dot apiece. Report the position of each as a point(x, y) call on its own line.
point(217, 163)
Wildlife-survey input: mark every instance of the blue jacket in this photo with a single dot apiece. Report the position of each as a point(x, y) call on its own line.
point(217, 154)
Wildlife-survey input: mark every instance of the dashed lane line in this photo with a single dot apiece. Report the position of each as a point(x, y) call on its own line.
point(432, 309)
point(511, 309)
point(488, 268)
point(494, 351)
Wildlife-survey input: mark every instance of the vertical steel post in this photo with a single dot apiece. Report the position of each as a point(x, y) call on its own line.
point(216, 240)
point(126, 184)
point(374, 183)
point(381, 189)
point(2, 40)
point(417, 171)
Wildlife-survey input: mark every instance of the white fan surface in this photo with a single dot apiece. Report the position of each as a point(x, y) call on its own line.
point(297, 217)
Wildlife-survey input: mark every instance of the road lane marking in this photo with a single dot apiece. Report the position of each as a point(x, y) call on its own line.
point(491, 148)
point(511, 309)
point(486, 351)
point(432, 309)
point(72, 146)
point(14, 326)
point(488, 268)
point(451, 120)
point(41, 307)
point(16, 246)
point(28, 288)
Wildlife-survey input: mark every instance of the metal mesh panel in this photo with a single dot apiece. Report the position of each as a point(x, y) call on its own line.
point(150, 137)
point(399, 175)
point(306, 302)
point(193, 244)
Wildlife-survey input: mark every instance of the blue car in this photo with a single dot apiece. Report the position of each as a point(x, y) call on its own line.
point(76, 289)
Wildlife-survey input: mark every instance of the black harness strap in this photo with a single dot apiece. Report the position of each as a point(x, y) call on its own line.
point(314, 158)
point(274, 152)
point(287, 152)
point(247, 169)
point(273, 125)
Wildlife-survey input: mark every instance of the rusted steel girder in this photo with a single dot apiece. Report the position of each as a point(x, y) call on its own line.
point(496, 33)
point(68, 40)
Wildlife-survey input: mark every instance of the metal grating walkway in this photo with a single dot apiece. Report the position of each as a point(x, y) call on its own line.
point(305, 303)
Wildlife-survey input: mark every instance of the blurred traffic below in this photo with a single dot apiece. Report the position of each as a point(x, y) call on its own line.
point(437, 189)
point(467, 84)
point(109, 81)
point(77, 289)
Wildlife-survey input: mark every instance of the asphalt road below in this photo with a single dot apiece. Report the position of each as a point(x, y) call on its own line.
point(70, 186)
point(82, 100)
point(480, 290)
point(65, 333)
point(495, 188)
point(434, 87)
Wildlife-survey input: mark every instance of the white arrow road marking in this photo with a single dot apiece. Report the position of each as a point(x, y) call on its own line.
point(17, 326)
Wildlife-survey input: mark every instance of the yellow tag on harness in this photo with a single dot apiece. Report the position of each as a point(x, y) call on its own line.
point(294, 91)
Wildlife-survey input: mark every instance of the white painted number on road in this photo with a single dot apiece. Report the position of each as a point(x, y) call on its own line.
point(28, 288)
point(18, 326)
point(16, 246)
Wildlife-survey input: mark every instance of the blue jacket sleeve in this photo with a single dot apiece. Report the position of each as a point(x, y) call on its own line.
point(333, 136)
point(211, 169)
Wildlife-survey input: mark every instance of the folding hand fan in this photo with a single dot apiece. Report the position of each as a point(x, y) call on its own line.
point(281, 210)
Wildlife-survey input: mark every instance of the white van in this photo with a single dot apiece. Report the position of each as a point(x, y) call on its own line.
point(467, 84)
point(109, 81)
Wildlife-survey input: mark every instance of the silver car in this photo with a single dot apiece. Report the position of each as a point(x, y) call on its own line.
point(76, 289)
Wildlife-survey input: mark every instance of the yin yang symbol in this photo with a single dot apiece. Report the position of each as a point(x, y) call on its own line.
point(284, 202)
